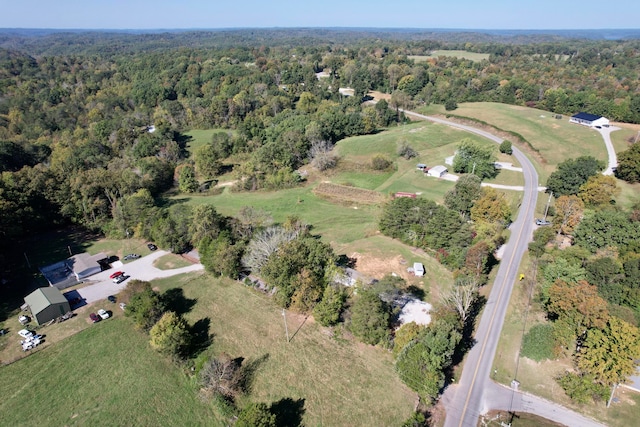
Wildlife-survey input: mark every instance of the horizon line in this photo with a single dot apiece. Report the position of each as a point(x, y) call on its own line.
point(315, 27)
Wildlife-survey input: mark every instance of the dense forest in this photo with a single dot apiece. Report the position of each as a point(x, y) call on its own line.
point(91, 123)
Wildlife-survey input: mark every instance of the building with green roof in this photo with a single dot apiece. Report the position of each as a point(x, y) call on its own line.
point(47, 304)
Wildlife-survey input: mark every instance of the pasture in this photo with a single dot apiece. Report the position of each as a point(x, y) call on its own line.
point(555, 140)
point(200, 137)
point(460, 54)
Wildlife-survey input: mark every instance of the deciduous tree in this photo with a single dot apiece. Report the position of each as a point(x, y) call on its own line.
point(491, 207)
point(170, 334)
point(599, 190)
point(611, 354)
point(569, 211)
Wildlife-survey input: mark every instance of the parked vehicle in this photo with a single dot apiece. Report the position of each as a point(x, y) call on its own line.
point(94, 318)
point(116, 274)
point(130, 257)
point(103, 314)
point(120, 278)
point(542, 222)
point(111, 298)
point(25, 333)
point(151, 246)
point(23, 319)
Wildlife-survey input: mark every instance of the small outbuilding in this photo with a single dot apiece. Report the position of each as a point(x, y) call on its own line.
point(589, 119)
point(437, 171)
point(46, 304)
point(418, 269)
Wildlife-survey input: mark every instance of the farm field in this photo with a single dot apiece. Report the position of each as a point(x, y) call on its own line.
point(105, 375)
point(556, 140)
point(462, 54)
point(200, 137)
point(341, 381)
point(112, 360)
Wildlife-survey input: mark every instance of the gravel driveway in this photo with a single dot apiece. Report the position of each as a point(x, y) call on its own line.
point(141, 269)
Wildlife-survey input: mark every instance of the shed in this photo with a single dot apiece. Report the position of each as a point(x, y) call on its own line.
point(418, 269)
point(47, 304)
point(437, 171)
point(589, 119)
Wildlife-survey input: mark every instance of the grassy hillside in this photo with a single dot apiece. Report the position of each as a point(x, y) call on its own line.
point(104, 375)
point(341, 381)
point(556, 140)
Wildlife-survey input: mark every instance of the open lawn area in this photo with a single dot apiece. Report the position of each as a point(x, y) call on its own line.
point(341, 381)
point(200, 137)
point(556, 140)
point(336, 223)
point(105, 375)
point(462, 54)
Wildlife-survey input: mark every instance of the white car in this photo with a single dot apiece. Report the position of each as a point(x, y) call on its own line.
point(25, 333)
point(103, 313)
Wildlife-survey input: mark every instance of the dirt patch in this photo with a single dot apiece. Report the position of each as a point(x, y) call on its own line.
point(379, 95)
point(377, 268)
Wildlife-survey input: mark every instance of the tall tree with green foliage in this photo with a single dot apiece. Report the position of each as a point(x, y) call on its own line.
point(370, 318)
point(474, 158)
point(611, 354)
point(170, 334)
point(464, 194)
point(421, 364)
point(628, 168)
point(571, 174)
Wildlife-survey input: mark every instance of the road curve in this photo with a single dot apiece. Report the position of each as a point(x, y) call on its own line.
point(475, 394)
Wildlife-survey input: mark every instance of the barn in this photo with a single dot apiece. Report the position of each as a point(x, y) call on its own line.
point(47, 304)
point(437, 171)
point(589, 119)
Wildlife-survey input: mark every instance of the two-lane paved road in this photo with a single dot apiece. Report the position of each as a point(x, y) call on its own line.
point(476, 394)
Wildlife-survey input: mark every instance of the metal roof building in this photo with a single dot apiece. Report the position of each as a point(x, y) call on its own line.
point(47, 304)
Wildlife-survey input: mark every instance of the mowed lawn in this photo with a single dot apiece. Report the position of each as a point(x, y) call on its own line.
point(336, 223)
point(200, 137)
point(556, 140)
point(342, 381)
point(462, 54)
point(104, 375)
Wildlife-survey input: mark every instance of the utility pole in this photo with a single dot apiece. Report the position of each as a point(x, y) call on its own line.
point(612, 393)
point(286, 328)
point(546, 209)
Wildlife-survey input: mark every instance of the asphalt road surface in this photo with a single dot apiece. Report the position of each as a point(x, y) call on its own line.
point(476, 393)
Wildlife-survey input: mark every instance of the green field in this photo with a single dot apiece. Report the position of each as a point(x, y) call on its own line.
point(200, 137)
point(104, 375)
point(461, 54)
point(555, 140)
point(108, 374)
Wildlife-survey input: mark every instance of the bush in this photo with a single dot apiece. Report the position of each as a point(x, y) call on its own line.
point(450, 104)
point(506, 148)
point(256, 415)
point(407, 152)
point(582, 388)
point(327, 311)
point(538, 343)
point(170, 334)
point(380, 163)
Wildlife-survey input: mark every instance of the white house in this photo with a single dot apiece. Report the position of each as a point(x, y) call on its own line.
point(589, 119)
point(437, 171)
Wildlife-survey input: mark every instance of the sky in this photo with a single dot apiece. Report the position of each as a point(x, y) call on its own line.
point(211, 14)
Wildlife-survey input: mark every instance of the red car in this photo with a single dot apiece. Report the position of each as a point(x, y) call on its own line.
point(116, 274)
point(94, 318)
